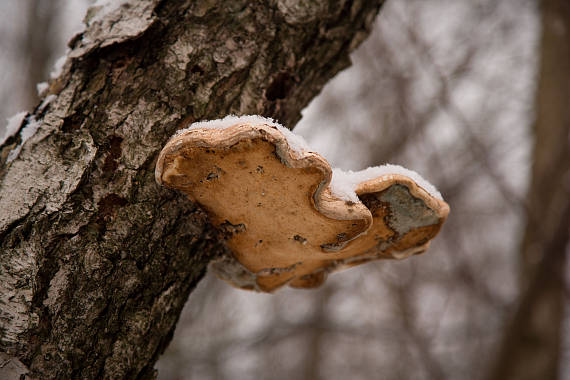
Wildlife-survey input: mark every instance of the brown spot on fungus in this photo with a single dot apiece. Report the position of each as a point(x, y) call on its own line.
point(300, 239)
point(393, 218)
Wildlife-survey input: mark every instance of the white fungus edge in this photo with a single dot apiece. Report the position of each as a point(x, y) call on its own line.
point(343, 183)
point(296, 142)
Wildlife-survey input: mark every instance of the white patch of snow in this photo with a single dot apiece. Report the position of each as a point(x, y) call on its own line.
point(103, 3)
point(41, 87)
point(109, 4)
point(58, 67)
point(14, 123)
point(28, 131)
point(103, 7)
point(296, 143)
point(48, 99)
point(344, 183)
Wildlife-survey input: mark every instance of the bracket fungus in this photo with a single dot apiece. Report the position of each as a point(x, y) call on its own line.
point(283, 220)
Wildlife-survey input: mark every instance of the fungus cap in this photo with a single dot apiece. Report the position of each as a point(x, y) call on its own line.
point(271, 199)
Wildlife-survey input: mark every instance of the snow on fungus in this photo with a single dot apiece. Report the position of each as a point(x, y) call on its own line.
point(297, 143)
point(285, 223)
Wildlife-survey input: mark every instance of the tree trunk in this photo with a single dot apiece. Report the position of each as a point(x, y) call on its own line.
point(96, 260)
point(532, 343)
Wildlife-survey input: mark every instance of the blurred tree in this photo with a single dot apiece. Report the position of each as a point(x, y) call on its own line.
point(533, 341)
point(38, 45)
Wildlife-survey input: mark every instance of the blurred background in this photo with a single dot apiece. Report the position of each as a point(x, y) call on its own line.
point(474, 96)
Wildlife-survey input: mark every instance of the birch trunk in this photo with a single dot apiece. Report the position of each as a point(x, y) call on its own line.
point(96, 260)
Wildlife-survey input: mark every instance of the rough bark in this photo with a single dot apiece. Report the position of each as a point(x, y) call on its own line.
point(531, 346)
point(96, 260)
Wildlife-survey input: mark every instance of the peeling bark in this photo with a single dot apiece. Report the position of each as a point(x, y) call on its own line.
point(96, 260)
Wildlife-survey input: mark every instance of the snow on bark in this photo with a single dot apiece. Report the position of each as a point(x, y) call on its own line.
point(14, 123)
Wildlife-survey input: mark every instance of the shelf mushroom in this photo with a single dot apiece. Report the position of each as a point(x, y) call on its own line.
point(283, 220)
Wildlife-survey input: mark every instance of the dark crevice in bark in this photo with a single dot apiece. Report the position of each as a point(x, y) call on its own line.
point(279, 87)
